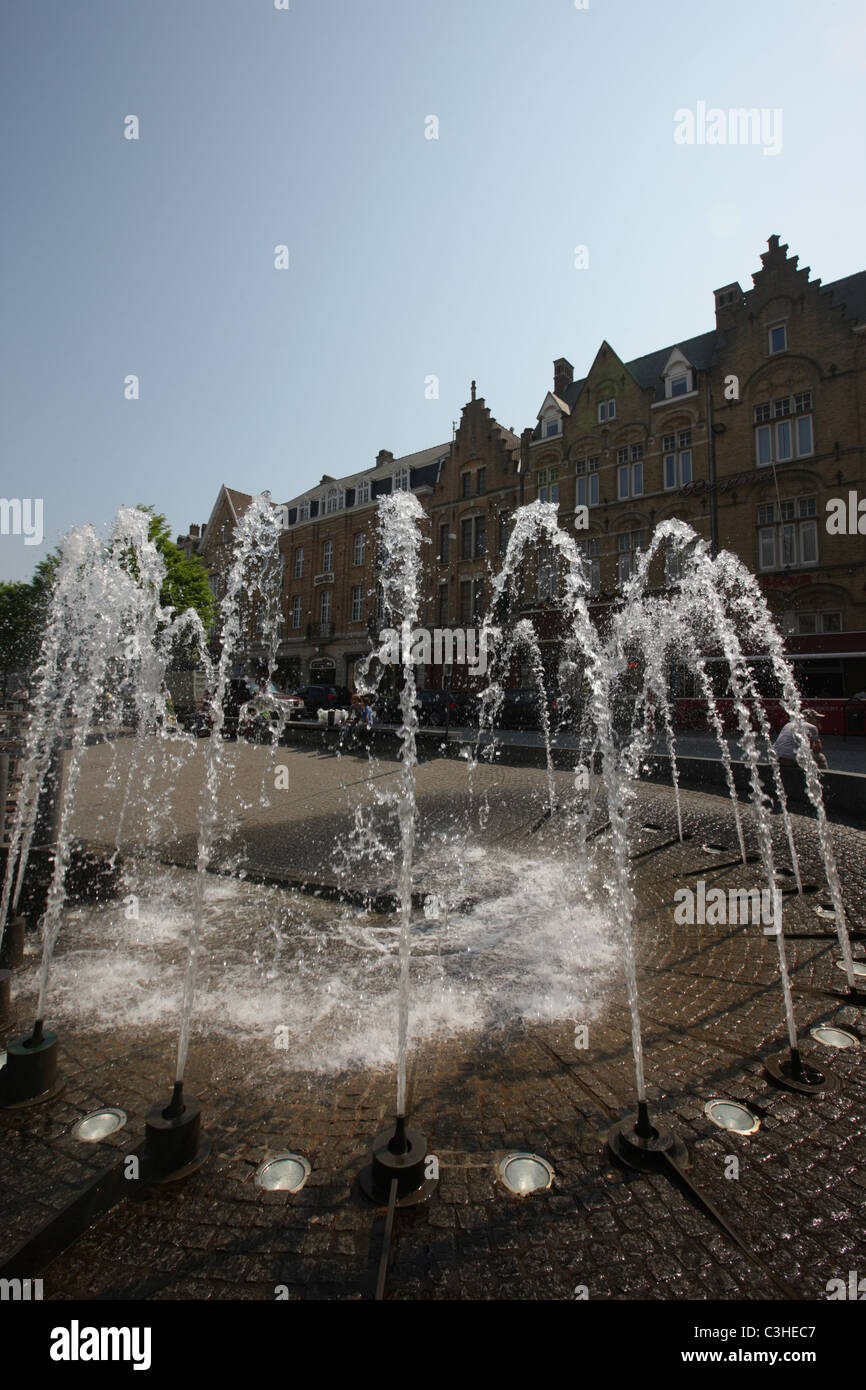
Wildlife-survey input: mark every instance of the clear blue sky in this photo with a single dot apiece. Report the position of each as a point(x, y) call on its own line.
point(408, 256)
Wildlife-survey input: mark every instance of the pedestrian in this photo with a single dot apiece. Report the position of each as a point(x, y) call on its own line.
point(785, 747)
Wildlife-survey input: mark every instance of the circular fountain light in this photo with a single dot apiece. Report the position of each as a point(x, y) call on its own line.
point(283, 1173)
point(525, 1173)
point(728, 1114)
point(859, 967)
point(99, 1124)
point(714, 849)
point(833, 1037)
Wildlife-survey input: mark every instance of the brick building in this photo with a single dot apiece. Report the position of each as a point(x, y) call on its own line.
point(748, 432)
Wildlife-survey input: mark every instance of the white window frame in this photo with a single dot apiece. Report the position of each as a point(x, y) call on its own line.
point(400, 480)
point(359, 548)
point(791, 534)
point(362, 492)
point(769, 437)
point(299, 562)
point(296, 611)
point(607, 410)
point(327, 557)
point(683, 468)
point(357, 603)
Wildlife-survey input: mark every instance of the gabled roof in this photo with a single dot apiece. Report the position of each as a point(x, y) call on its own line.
point(850, 291)
point(560, 404)
point(700, 351)
point(237, 502)
point(421, 459)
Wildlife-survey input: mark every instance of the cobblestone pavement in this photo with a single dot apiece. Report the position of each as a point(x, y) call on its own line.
point(711, 1011)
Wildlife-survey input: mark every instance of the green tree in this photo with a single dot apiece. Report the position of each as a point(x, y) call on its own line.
point(23, 610)
point(186, 584)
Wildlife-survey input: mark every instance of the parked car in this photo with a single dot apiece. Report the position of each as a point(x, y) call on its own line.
point(254, 709)
point(316, 697)
point(521, 709)
point(438, 708)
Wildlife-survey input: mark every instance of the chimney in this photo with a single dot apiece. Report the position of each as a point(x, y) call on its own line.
point(194, 532)
point(563, 376)
point(384, 456)
point(729, 299)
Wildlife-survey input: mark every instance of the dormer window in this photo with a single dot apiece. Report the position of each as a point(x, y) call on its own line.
point(304, 510)
point(778, 338)
point(401, 480)
point(551, 428)
point(362, 492)
point(334, 500)
point(678, 375)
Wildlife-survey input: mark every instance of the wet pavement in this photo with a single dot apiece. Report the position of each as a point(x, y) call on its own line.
point(711, 1011)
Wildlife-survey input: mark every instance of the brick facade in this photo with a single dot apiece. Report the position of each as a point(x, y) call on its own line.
point(746, 432)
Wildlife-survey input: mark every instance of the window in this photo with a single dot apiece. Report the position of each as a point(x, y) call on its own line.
point(296, 611)
point(299, 562)
point(328, 557)
point(551, 427)
point(401, 480)
point(325, 607)
point(787, 533)
point(465, 602)
point(359, 548)
point(482, 481)
point(467, 484)
point(679, 385)
point(548, 485)
point(606, 411)
point(362, 492)
point(224, 533)
point(629, 476)
point(443, 605)
point(587, 486)
point(677, 466)
point(334, 500)
point(591, 548)
point(444, 547)
point(304, 510)
point(547, 573)
point(629, 544)
point(357, 603)
point(778, 337)
point(780, 434)
point(473, 541)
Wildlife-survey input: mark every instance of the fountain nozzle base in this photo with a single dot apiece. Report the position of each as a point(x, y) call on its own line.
point(643, 1145)
point(30, 1074)
point(789, 1070)
point(399, 1153)
point(174, 1143)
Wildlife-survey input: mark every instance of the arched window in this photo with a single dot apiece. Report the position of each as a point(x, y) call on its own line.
point(401, 480)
